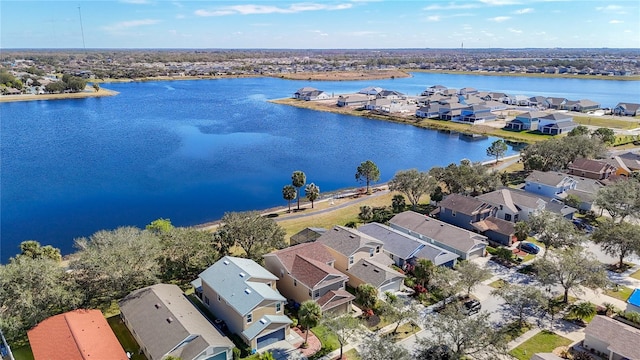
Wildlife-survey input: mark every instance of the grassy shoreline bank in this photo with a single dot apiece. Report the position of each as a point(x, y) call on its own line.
point(79, 95)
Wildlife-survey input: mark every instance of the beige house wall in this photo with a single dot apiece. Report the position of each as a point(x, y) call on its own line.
point(591, 342)
point(222, 310)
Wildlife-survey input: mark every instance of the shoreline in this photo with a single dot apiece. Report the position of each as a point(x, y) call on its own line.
point(79, 95)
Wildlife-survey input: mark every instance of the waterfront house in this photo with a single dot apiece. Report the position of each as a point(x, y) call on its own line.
point(451, 111)
point(462, 211)
point(555, 103)
point(360, 256)
point(517, 205)
point(391, 95)
point(556, 124)
point(306, 235)
point(550, 183)
point(583, 105)
point(165, 323)
point(525, 121)
point(302, 92)
point(612, 338)
point(627, 109)
point(435, 89)
point(405, 249)
point(243, 294)
point(464, 243)
point(476, 114)
point(592, 169)
point(306, 272)
point(495, 96)
point(467, 91)
point(75, 335)
point(371, 90)
point(353, 100)
point(315, 95)
point(538, 101)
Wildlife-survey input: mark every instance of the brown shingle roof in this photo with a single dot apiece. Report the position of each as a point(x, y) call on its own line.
point(75, 335)
point(496, 224)
point(311, 272)
point(465, 204)
point(312, 250)
point(334, 298)
point(590, 165)
point(621, 338)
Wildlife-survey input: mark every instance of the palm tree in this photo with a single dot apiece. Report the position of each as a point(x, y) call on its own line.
point(309, 315)
point(366, 213)
point(298, 179)
point(582, 310)
point(312, 192)
point(398, 203)
point(609, 309)
point(289, 193)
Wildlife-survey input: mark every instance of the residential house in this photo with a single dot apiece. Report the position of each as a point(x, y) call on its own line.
point(243, 294)
point(555, 103)
point(371, 90)
point(631, 160)
point(352, 100)
point(462, 211)
point(620, 165)
point(526, 121)
point(612, 338)
point(300, 93)
point(315, 95)
point(435, 89)
point(556, 124)
point(466, 244)
point(405, 249)
point(586, 191)
point(467, 91)
point(591, 169)
point(517, 205)
point(306, 272)
point(496, 230)
point(627, 109)
point(476, 114)
point(428, 111)
point(165, 323)
point(538, 101)
point(451, 111)
point(550, 183)
point(75, 335)
point(583, 105)
point(391, 95)
point(495, 96)
point(306, 235)
point(360, 257)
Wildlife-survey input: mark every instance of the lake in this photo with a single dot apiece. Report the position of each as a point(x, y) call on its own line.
point(191, 150)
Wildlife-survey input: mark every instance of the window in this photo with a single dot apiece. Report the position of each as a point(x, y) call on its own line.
point(370, 252)
point(507, 217)
point(377, 249)
point(219, 298)
point(278, 307)
point(206, 300)
point(249, 318)
point(453, 213)
point(281, 273)
point(350, 260)
point(309, 293)
point(317, 294)
point(295, 282)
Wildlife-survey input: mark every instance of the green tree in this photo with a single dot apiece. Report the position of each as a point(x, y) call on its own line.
point(553, 230)
point(395, 311)
point(368, 172)
point(254, 233)
point(555, 154)
point(467, 178)
point(186, 252)
point(381, 347)
point(309, 315)
point(521, 301)
point(33, 250)
point(572, 268)
point(366, 296)
point(606, 135)
point(423, 271)
point(522, 230)
point(344, 327)
point(398, 203)
point(366, 213)
point(96, 87)
point(447, 283)
point(110, 264)
point(31, 290)
point(436, 352)
point(621, 199)
point(618, 239)
point(289, 193)
point(573, 200)
point(471, 275)
point(298, 179)
point(160, 226)
point(312, 192)
point(465, 336)
point(497, 149)
point(579, 130)
point(582, 310)
point(437, 195)
point(413, 184)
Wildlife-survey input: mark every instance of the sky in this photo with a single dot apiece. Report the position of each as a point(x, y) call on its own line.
point(342, 24)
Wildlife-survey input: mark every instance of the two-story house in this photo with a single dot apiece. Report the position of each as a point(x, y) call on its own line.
point(165, 323)
point(243, 294)
point(550, 183)
point(556, 124)
point(360, 256)
point(592, 169)
point(525, 121)
point(306, 272)
point(464, 243)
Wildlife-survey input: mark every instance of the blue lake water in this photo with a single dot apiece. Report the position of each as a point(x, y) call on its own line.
point(191, 150)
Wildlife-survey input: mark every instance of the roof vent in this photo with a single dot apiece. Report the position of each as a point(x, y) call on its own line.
point(376, 270)
point(226, 262)
point(365, 264)
point(242, 274)
point(263, 321)
point(352, 236)
point(158, 306)
point(247, 291)
point(169, 320)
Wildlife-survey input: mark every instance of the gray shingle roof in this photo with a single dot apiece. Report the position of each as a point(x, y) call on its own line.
point(621, 338)
point(551, 178)
point(464, 204)
point(163, 317)
point(234, 279)
point(255, 329)
point(347, 241)
point(373, 273)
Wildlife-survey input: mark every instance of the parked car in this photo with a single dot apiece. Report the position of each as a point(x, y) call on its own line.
point(471, 307)
point(530, 248)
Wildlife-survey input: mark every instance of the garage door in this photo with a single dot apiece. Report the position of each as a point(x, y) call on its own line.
point(271, 338)
point(476, 253)
point(392, 286)
point(221, 356)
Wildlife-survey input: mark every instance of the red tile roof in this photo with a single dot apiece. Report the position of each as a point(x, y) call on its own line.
point(75, 335)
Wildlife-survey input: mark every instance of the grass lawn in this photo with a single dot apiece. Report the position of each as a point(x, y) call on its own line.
point(544, 341)
point(604, 122)
point(22, 353)
point(498, 284)
point(636, 275)
point(126, 339)
point(404, 331)
point(623, 293)
point(352, 355)
point(328, 339)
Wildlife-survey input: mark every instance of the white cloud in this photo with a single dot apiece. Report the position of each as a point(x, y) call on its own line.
point(433, 18)
point(524, 11)
point(318, 32)
point(251, 9)
point(500, 2)
point(130, 24)
point(363, 33)
point(616, 22)
point(450, 6)
point(500, 18)
point(515, 31)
